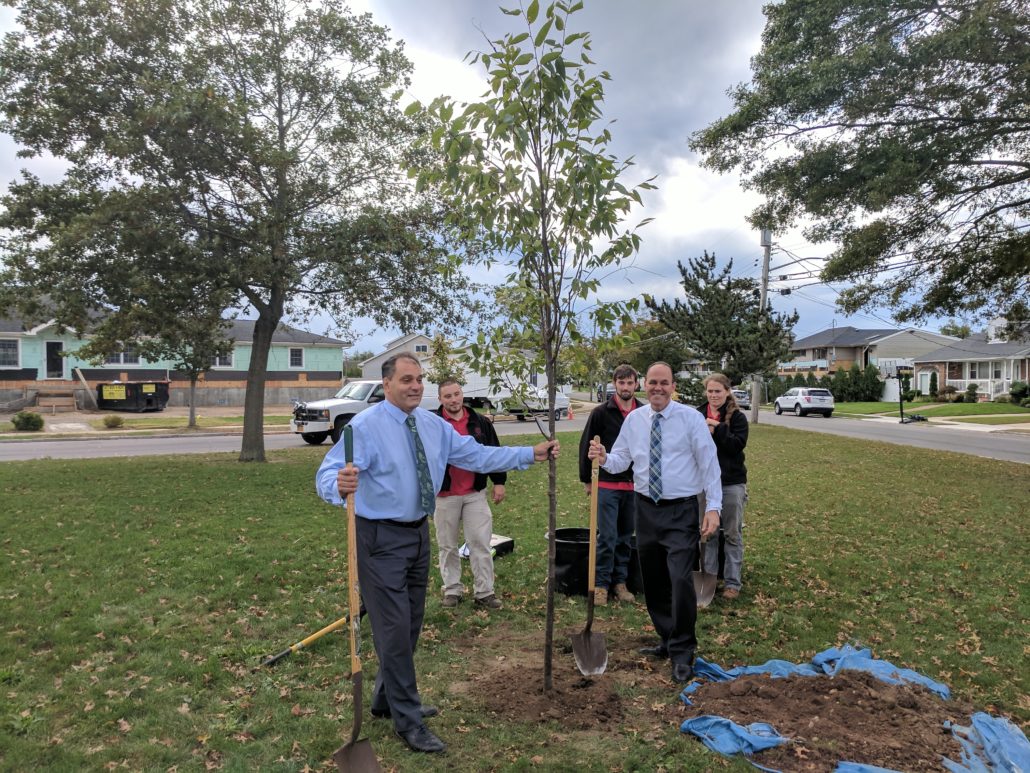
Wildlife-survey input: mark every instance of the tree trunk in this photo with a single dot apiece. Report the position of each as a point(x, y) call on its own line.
point(253, 449)
point(552, 521)
point(192, 423)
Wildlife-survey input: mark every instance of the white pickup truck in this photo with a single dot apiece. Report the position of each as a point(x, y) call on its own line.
point(315, 421)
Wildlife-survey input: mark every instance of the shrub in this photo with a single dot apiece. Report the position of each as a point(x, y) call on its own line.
point(910, 395)
point(112, 421)
point(971, 393)
point(1003, 399)
point(1026, 402)
point(1018, 390)
point(933, 383)
point(958, 399)
point(27, 421)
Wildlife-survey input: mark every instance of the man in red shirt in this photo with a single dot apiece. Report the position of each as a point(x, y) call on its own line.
point(462, 502)
point(616, 502)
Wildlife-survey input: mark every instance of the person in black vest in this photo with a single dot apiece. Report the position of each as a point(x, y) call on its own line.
point(729, 427)
point(616, 502)
point(461, 502)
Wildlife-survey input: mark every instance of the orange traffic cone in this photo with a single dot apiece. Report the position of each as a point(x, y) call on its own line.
point(570, 412)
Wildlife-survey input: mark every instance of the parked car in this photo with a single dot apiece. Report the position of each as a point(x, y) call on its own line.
point(319, 419)
point(537, 403)
point(743, 398)
point(804, 400)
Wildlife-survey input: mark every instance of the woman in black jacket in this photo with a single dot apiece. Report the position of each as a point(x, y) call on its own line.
point(728, 426)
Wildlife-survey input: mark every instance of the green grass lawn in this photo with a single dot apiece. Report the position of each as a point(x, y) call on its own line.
point(968, 409)
point(862, 409)
point(995, 420)
point(933, 409)
point(137, 594)
point(180, 422)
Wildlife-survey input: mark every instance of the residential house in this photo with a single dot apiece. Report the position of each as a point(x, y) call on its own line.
point(986, 359)
point(416, 343)
point(40, 359)
point(838, 348)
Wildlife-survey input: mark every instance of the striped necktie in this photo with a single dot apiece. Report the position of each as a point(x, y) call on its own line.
point(654, 466)
point(426, 492)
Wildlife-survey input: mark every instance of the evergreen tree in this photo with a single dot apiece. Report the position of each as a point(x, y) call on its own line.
point(721, 320)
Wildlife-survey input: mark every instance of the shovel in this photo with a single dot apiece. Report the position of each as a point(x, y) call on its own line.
point(271, 660)
point(704, 582)
point(355, 755)
point(588, 647)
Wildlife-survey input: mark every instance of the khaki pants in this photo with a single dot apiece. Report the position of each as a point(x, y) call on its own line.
point(472, 513)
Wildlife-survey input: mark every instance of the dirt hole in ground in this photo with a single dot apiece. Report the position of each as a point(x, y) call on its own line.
point(852, 716)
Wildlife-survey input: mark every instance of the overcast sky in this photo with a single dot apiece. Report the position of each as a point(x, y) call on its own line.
point(671, 63)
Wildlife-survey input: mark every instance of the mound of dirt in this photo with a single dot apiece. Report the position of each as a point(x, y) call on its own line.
point(852, 716)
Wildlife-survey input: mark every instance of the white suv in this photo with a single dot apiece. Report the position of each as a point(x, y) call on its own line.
point(804, 400)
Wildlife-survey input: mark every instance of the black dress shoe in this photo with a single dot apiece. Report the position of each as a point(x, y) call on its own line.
point(682, 672)
point(421, 739)
point(659, 652)
point(427, 711)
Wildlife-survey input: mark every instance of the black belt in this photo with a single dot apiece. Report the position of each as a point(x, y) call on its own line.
point(664, 502)
point(406, 524)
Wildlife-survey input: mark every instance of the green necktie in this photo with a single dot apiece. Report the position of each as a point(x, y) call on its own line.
point(426, 492)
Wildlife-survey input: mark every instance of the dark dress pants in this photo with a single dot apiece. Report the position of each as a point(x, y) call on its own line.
point(393, 570)
point(667, 537)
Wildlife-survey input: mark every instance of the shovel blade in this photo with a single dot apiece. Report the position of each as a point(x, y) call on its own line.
point(704, 588)
point(356, 757)
point(590, 652)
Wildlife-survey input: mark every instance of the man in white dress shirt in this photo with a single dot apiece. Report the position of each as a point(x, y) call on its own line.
point(674, 459)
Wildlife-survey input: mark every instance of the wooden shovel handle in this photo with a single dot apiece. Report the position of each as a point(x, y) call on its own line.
point(592, 559)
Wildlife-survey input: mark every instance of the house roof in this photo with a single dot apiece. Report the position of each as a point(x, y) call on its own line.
point(8, 325)
point(976, 347)
point(843, 336)
point(241, 330)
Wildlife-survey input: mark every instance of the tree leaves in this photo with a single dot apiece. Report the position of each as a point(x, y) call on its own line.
point(876, 118)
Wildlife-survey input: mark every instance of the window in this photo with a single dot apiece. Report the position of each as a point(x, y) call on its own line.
point(421, 348)
point(979, 370)
point(955, 371)
point(127, 357)
point(9, 353)
point(819, 354)
point(296, 358)
point(222, 361)
point(996, 370)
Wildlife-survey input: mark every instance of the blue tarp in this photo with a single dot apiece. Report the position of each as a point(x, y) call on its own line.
point(989, 744)
point(827, 663)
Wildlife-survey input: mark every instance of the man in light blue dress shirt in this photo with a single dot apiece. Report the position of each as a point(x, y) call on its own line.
point(674, 459)
point(392, 503)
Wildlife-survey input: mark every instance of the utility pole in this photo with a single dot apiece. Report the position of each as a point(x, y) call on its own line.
point(756, 384)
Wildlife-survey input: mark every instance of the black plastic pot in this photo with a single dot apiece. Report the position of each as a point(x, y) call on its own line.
point(572, 559)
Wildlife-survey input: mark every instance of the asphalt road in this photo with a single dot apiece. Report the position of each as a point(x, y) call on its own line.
point(992, 445)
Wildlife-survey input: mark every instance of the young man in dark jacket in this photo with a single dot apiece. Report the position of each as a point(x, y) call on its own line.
point(462, 502)
point(616, 503)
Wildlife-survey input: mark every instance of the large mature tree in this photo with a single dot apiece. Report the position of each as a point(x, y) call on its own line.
point(722, 320)
point(901, 130)
point(252, 143)
point(528, 172)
